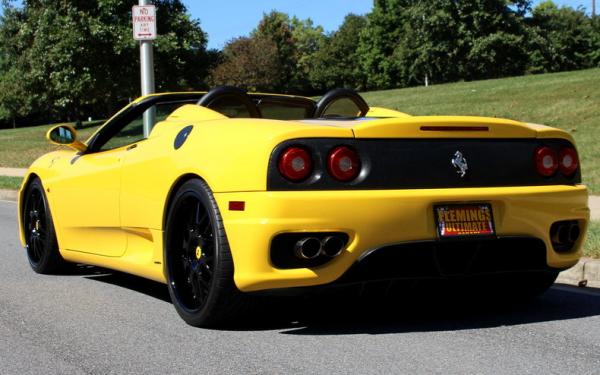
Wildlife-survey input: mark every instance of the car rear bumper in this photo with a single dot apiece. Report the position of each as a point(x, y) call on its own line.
point(377, 219)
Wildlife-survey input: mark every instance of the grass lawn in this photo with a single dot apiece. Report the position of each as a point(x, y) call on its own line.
point(20, 147)
point(570, 101)
point(592, 244)
point(10, 183)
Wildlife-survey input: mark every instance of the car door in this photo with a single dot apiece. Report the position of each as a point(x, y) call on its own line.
point(88, 208)
point(89, 188)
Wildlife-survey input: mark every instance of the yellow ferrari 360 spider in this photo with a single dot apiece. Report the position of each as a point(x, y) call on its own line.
point(225, 194)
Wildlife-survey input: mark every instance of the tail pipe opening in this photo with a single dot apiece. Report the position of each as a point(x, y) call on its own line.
point(308, 248)
point(332, 246)
point(564, 235)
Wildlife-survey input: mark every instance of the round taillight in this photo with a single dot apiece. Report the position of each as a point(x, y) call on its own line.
point(568, 161)
point(343, 164)
point(295, 164)
point(546, 161)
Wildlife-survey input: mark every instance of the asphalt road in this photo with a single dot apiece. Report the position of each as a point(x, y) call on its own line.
point(98, 322)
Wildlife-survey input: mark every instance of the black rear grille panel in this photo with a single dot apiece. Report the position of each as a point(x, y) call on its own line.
point(440, 259)
point(426, 163)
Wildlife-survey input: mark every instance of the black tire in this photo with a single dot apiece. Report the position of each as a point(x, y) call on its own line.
point(198, 261)
point(40, 236)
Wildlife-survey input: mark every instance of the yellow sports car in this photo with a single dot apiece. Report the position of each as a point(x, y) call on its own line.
point(225, 194)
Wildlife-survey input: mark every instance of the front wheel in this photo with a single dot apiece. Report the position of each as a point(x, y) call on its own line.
point(40, 237)
point(198, 260)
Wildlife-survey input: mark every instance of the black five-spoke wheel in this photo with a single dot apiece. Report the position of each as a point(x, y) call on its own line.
point(192, 253)
point(35, 218)
point(198, 261)
point(40, 238)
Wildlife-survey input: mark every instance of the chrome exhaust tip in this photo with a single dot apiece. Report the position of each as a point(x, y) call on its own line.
point(564, 235)
point(308, 248)
point(332, 246)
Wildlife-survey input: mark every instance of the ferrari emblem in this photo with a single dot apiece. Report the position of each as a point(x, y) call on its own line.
point(460, 163)
point(198, 252)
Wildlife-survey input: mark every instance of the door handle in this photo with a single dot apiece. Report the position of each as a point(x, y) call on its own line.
point(131, 147)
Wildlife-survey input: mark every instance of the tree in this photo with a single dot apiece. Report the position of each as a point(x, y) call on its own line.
point(408, 40)
point(563, 39)
point(251, 63)
point(378, 41)
point(309, 40)
point(296, 42)
point(181, 57)
point(276, 26)
point(15, 86)
point(336, 63)
point(492, 35)
point(77, 57)
point(427, 50)
point(14, 99)
point(595, 41)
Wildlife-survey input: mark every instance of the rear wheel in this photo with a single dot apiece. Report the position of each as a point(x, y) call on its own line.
point(40, 237)
point(198, 260)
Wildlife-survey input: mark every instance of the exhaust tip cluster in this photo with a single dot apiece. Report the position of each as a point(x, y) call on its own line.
point(311, 247)
point(564, 235)
point(307, 250)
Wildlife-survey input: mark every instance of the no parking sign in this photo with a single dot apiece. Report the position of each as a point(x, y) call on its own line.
point(144, 22)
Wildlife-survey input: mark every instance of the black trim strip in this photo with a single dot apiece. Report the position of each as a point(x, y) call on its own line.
point(424, 164)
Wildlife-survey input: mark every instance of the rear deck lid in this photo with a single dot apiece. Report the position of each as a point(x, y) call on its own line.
point(442, 127)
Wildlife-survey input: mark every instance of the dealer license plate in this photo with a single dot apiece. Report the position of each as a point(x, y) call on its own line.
point(464, 220)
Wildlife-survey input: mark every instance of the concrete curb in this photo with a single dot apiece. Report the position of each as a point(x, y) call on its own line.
point(594, 203)
point(8, 195)
point(585, 273)
point(13, 172)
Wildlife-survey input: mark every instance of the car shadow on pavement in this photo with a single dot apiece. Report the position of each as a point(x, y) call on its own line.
point(444, 313)
point(124, 280)
point(423, 311)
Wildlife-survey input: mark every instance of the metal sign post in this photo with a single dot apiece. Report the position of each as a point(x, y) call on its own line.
point(144, 30)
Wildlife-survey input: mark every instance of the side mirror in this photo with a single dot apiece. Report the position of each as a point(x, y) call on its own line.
point(65, 135)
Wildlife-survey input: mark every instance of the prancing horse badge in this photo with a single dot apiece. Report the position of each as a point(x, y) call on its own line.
point(460, 163)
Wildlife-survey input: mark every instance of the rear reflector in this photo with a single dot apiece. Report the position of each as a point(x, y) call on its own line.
point(455, 128)
point(237, 206)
